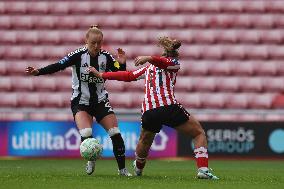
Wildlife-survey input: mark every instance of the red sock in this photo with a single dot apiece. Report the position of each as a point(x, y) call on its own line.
point(140, 165)
point(201, 156)
point(140, 162)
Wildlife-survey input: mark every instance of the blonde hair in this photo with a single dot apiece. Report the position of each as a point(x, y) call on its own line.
point(170, 46)
point(94, 29)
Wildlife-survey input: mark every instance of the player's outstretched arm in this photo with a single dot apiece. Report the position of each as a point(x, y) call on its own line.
point(119, 75)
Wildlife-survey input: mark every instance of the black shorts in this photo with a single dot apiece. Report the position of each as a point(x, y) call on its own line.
point(99, 110)
point(171, 116)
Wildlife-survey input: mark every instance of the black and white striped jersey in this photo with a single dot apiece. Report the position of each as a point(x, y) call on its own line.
point(88, 88)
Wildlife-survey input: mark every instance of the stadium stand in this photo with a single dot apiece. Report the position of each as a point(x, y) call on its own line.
point(232, 53)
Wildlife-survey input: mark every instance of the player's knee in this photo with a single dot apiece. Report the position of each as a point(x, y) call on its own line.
point(86, 133)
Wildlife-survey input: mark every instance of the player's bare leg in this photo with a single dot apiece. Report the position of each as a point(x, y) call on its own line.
point(193, 129)
point(109, 123)
point(84, 123)
point(142, 150)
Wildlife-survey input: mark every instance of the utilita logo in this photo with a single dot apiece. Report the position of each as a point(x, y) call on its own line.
point(47, 141)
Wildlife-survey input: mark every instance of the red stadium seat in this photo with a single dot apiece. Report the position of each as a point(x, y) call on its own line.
point(254, 7)
point(12, 116)
point(49, 37)
point(193, 68)
point(265, 21)
point(274, 6)
point(211, 100)
point(8, 37)
point(248, 36)
point(263, 68)
point(15, 7)
point(233, 52)
point(278, 102)
point(251, 84)
point(141, 7)
point(52, 100)
point(81, 7)
point(124, 7)
point(45, 83)
point(5, 22)
point(189, 100)
point(8, 100)
point(204, 36)
point(227, 36)
point(6, 84)
point(258, 52)
point(237, 101)
point(20, 83)
point(204, 83)
point(28, 37)
point(38, 7)
point(115, 86)
point(228, 84)
point(167, 7)
point(184, 84)
point(22, 22)
point(3, 69)
point(211, 7)
point(273, 84)
point(45, 22)
point(197, 21)
point(14, 52)
point(135, 85)
point(62, 9)
point(241, 68)
point(120, 100)
point(261, 101)
point(28, 100)
point(220, 68)
point(276, 52)
point(233, 6)
point(62, 83)
point(137, 98)
point(274, 36)
point(189, 7)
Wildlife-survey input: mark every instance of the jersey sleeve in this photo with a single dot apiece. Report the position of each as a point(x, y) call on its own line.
point(165, 63)
point(125, 75)
point(65, 62)
point(113, 65)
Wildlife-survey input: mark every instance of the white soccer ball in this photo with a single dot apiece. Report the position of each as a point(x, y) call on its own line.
point(91, 149)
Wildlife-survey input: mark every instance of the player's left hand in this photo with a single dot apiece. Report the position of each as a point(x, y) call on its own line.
point(140, 60)
point(93, 70)
point(121, 56)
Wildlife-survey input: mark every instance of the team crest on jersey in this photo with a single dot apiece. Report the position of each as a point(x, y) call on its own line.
point(103, 66)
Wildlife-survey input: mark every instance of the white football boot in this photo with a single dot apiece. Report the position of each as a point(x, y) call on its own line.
point(90, 167)
point(137, 172)
point(206, 174)
point(124, 172)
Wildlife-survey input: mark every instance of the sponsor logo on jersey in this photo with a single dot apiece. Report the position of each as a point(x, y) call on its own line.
point(63, 60)
point(90, 79)
point(77, 51)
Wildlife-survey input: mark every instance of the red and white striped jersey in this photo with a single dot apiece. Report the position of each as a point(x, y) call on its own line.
point(160, 79)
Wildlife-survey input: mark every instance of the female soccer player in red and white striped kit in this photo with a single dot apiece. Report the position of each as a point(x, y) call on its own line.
point(160, 106)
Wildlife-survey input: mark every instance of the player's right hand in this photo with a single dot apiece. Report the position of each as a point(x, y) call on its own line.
point(93, 70)
point(31, 71)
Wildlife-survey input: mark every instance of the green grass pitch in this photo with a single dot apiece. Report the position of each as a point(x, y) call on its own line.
point(164, 174)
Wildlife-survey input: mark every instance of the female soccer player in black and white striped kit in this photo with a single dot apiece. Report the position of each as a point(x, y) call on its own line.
point(89, 98)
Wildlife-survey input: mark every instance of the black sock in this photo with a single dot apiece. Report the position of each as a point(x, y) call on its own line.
point(118, 150)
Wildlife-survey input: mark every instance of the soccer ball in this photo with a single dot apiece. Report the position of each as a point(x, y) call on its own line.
point(91, 149)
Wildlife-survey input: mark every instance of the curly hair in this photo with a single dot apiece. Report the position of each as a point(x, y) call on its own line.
point(170, 46)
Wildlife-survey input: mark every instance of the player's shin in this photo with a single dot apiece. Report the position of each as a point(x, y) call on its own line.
point(118, 146)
